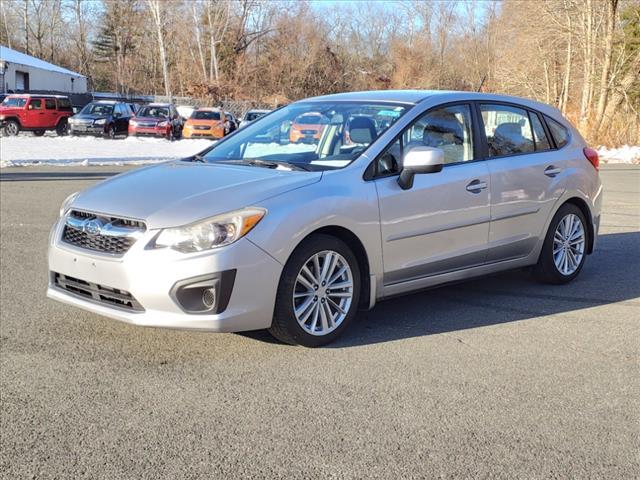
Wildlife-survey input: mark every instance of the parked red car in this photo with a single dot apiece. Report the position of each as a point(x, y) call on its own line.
point(35, 113)
point(158, 120)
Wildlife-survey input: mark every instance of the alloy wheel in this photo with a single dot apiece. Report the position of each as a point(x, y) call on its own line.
point(323, 292)
point(568, 244)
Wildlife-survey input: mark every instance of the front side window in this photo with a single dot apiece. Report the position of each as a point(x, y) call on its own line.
point(35, 104)
point(559, 133)
point(447, 128)
point(507, 129)
point(308, 135)
point(50, 104)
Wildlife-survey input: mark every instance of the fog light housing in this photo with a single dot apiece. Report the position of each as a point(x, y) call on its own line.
point(205, 294)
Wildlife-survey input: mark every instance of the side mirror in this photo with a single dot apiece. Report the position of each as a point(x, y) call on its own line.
point(420, 160)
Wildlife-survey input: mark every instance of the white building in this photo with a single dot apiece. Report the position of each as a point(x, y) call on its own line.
point(23, 73)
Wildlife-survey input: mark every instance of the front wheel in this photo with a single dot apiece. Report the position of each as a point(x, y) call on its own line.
point(318, 293)
point(565, 247)
point(110, 133)
point(12, 128)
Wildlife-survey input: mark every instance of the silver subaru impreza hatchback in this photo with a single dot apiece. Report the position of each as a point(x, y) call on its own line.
point(328, 205)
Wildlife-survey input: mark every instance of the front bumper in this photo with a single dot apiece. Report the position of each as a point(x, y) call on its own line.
point(86, 129)
point(150, 275)
point(213, 133)
point(151, 131)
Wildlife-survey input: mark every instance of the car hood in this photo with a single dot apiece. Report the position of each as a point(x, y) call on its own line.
point(5, 110)
point(178, 193)
point(209, 123)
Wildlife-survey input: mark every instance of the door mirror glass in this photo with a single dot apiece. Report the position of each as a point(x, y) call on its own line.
point(419, 159)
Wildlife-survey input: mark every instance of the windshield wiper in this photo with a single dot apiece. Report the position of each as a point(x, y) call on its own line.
point(198, 158)
point(256, 162)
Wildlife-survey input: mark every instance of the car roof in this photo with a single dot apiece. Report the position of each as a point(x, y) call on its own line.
point(37, 95)
point(208, 109)
point(414, 97)
point(158, 105)
point(258, 110)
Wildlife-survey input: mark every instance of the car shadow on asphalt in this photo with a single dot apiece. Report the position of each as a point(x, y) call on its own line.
point(609, 276)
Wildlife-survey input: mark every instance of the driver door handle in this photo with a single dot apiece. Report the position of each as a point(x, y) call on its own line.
point(476, 186)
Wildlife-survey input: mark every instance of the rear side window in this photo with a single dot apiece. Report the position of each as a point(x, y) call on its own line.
point(539, 135)
point(35, 104)
point(559, 132)
point(507, 129)
point(50, 104)
point(64, 105)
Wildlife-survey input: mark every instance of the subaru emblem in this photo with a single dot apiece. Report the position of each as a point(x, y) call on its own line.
point(93, 227)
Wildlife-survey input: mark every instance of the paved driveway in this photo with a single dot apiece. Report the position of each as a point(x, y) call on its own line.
point(498, 377)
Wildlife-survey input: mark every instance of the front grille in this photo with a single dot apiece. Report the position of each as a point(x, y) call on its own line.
point(115, 235)
point(201, 127)
point(147, 124)
point(309, 132)
point(113, 297)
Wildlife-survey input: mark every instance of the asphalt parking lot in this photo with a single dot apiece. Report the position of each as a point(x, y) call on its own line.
point(499, 377)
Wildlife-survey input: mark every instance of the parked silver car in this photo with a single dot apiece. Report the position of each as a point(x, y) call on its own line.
point(402, 190)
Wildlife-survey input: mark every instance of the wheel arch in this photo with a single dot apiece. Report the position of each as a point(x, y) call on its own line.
point(586, 211)
point(358, 249)
point(14, 118)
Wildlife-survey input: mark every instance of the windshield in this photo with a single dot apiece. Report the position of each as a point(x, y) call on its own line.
point(97, 109)
point(205, 115)
point(14, 102)
point(155, 112)
point(338, 134)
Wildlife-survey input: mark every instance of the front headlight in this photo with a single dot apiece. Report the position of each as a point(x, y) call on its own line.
point(133, 123)
point(214, 232)
point(163, 124)
point(100, 121)
point(67, 203)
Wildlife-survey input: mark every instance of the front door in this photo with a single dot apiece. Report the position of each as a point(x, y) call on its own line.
point(441, 224)
point(35, 116)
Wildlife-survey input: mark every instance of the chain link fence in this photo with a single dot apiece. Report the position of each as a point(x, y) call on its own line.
point(237, 107)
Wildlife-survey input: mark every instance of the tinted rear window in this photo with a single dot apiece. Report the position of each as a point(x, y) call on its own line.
point(558, 131)
point(64, 104)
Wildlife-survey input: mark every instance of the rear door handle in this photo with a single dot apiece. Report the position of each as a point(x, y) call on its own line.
point(552, 171)
point(476, 186)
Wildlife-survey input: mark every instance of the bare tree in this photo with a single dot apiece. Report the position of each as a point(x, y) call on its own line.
point(159, 17)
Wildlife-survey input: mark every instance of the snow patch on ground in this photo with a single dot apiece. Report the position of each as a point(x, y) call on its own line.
point(625, 154)
point(26, 150)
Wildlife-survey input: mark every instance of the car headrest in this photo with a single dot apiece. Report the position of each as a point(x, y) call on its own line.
point(443, 128)
point(508, 130)
point(362, 130)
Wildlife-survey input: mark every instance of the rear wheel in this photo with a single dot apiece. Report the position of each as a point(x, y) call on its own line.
point(565, 247)
point(12, 128)
point(62, 128)
point(38, 133)
point(318, 293)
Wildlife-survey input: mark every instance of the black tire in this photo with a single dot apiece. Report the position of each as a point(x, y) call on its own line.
point(110, 133)
point(545, 270)
point(285, 326)
point(38, 133)
point(62, 128)
point(12, 128)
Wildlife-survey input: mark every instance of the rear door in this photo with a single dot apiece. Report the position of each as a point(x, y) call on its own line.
point(441, 224)
point(51, 112)
point(525, 178)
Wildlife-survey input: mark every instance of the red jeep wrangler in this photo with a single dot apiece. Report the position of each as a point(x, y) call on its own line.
point(35, 113)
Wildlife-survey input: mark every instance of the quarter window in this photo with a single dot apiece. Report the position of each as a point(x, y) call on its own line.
point(559, 133)
point(539, 135)
point(507, 129)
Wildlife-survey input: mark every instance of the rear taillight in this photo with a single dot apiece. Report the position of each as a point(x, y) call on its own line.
point(592, 156)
